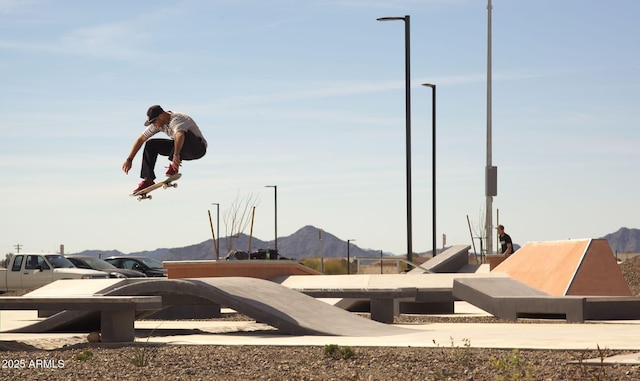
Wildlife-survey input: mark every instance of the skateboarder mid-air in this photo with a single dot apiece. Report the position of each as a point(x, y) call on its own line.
point(186, 143)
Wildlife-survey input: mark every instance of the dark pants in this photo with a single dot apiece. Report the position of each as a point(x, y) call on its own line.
point(192, 149)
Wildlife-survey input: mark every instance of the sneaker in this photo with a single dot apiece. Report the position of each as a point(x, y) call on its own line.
point(144, 184)
point(171, 171)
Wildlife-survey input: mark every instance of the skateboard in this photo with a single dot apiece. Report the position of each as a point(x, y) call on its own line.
point(166, 183)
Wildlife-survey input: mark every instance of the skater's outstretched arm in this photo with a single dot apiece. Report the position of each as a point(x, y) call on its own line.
point(126, 166)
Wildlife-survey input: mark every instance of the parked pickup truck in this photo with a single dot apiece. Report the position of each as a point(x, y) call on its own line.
point(28, 271)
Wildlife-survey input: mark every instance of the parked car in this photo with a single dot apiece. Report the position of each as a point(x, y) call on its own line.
point(28, 271)
point(149, 266)
point(89, 262)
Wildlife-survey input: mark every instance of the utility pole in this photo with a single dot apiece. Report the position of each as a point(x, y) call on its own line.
point(18, 247)
point(491, 172)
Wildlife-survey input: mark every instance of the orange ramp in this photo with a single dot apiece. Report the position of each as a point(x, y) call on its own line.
point(572, 267)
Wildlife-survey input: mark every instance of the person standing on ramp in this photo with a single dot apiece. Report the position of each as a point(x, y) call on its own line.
point(505, 242)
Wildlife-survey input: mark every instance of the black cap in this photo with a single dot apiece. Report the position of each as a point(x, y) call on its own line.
point(153, 113)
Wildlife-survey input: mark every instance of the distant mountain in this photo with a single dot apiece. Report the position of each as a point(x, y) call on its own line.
point(100, 253)
point(310, 241)
point(624, 240)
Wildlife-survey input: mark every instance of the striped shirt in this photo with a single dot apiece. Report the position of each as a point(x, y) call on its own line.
point(178, 122)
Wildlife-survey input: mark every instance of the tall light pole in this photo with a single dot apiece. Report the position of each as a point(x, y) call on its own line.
point(407, 72)
point(433, 161)
point(275, 194)
point(349, 256)
point(321, 251)
point(217, 243)
point(491, 172)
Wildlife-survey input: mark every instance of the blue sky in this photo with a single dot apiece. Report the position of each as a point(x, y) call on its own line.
point(309, 96)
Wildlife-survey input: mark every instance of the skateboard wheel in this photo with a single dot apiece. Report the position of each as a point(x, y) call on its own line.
point(149, 197)
point(175, 185)
point(164, 186)
point(139, 198)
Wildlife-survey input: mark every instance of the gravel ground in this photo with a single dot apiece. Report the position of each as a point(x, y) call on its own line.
point(174, 362)
point(631, 272)
point(80, 360)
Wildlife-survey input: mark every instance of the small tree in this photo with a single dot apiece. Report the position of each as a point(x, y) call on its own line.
point(238, 217)
point(479, 231)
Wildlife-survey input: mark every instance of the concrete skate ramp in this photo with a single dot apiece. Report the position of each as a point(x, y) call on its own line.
point(289, 311)
point(573, 267)
point(509, 299)
point(449, 261)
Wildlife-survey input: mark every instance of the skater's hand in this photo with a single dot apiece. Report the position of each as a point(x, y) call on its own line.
point(177, 162)
point(127, 166)
point(136, 147)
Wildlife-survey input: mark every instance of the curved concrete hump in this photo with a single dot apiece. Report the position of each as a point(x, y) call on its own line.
point(289, 311)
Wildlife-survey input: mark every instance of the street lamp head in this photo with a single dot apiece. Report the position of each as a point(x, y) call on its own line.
point(429, 85)
point(392, 18)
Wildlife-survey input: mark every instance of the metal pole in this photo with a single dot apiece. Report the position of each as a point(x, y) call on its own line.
point(217, 243)
point(253, 214)
point(407, 59)
point(473, 241)
point(275, 195)
point(321, 251)
point(218, 228)
point(433, 164)
point(489, 198)
point(214, 236)
point(433, 174)
point(497, 236)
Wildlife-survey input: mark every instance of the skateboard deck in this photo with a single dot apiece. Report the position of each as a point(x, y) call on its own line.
point(143, 194)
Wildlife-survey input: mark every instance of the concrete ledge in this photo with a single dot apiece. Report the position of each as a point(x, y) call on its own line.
point(509, 299)
point(430, 301)
point(106, 303)
point(409, 292)
point(433, 292)
point(612, 308)
point(384, 304)
point(261, 269)
point(117, 313)
point(567, 307)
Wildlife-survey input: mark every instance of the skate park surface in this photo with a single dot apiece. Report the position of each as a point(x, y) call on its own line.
point(284, 316)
